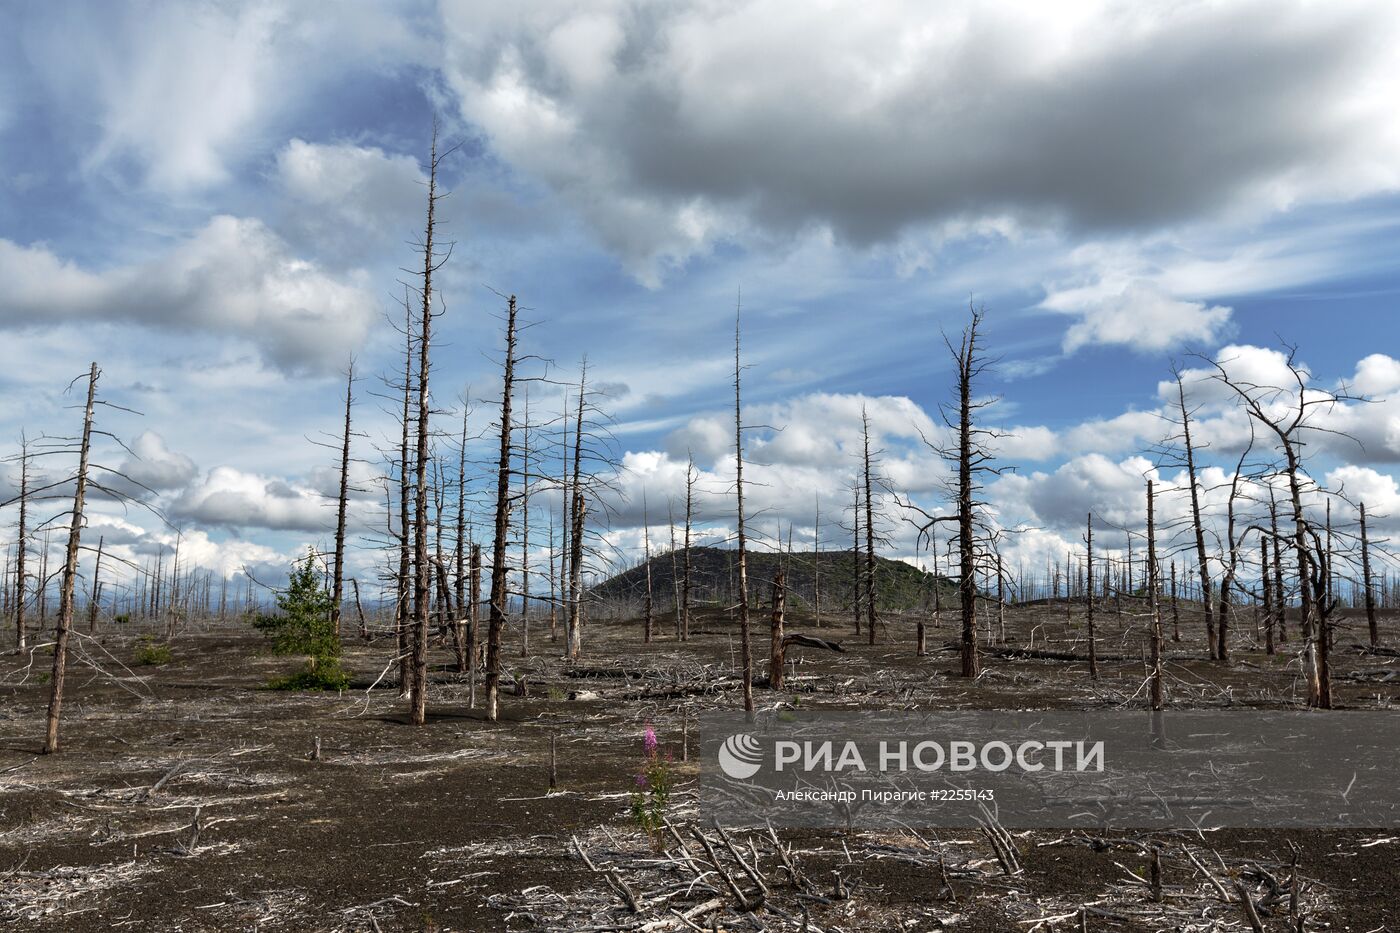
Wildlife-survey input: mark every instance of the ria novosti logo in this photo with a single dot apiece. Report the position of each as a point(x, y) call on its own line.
point(740, 756)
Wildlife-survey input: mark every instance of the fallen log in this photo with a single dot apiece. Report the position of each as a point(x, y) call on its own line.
point(809, 641)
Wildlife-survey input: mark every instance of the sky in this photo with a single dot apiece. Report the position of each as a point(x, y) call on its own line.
point(215, 201)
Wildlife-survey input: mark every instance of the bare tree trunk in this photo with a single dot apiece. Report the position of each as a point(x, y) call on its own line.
point(1279, 597)
point(1152, 587)
point(338, 587)
point(817, 563)
point(745, 648)
point(22, 544)
point(1202, 563)
point(459, 621)
point(869, 532)
point(1266, 584)
point(474, 622)
point(418, 693)
point(855, 558)
point(775, 653)
point(497, 607)
point(70, 573)
point(1176, 608)
point(685, 566)
point(1089, 596)
point(401, 603)
point(967, 554)
point(577, 516)
point(96, 592)
point(525, 530)
point(1370, 595)
point(646, 551)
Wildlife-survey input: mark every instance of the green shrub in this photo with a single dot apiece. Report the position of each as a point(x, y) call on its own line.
point(303, 626)
point(150, 653)
point(326, 675)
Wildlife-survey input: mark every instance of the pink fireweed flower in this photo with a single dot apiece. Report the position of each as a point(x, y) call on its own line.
point(641, 780)
point(649, 740)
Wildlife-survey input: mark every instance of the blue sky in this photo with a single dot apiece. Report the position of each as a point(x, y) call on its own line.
point(213, 200)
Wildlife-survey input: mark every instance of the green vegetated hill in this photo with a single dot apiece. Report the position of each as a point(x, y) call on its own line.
point(714, 575)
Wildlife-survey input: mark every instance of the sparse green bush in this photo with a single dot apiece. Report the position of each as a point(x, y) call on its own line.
point(150, 653)
point(303, 626)
point(122, 619)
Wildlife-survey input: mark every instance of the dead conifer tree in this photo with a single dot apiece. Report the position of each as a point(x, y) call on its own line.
point(685, 563)
point(646, 556)
point(1267, 590)
point(973, 459)
point(855, 556)
point(1089, 595)
point(1198, 527)
point(1369, 594)
point(1287, 414)
point(817, 563)
point(70, 572)
point(497, 606)
point(1231, 557)
point(577, 514)
point(458, 621)
point(22, 544)
point(745, 647)
point(95, 593)
point(1153, 607)
point(418, 692)
point(775, 652)
point(869, 527)
point(402, 591)
point(338, 580)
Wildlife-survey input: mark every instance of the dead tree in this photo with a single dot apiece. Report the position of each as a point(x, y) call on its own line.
point(855, 556)
point(1089, 595)
point(817, 563)
point(1267, 588)
point(775, 654)
point(461, 639)
point(745, 647)
point(1231, 556)
point(577, 514)
point(402, 595)
point(95, 593)
point(338, 584)
point(1287, 414)
point(1152, 602)
point(973, 459)
point(646, 553)
point(418, 692)
point(1280, 602)
point(1369, 594)
point(70, 572)
point(685, 563)
point(869, 527)
point(497, 606)
point(22, 543)
point(1198, 527)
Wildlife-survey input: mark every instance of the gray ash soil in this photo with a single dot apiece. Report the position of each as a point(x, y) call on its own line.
point(450, 826)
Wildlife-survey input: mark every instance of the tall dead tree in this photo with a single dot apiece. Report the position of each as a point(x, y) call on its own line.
point(1231, 558)
point(1286, 413)
point(95, 593)
point(745, 647)
point(402, 590)
point(458, 622)
point(418, 693)
point(1152, 602)
point(1280, 601)
point(869, 527)
point(70, 572)
point(1267, 588)
point(497, 607)
point(1089, 595)
point(855, 555)
point(646, 555)
point(1202, 562)
point(817, 562)
point(338, 582)
point(972, 460)
point(22, 544)
point(685, 563)
point(577, 515)
point(776, 648)
point(1369, 594)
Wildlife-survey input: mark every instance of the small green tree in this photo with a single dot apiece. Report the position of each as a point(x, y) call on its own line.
point(303, 626)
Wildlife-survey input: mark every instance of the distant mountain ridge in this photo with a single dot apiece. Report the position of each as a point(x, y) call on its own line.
point(714, 572)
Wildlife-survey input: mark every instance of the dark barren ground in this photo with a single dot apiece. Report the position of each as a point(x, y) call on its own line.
point(450, 827)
